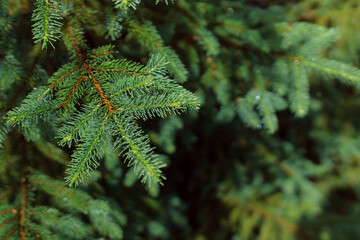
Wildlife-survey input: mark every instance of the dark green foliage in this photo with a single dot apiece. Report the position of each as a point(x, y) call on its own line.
point(46, 16)
point(148, 36)
point(113, 26)
point(272, 153)
point(125, 4)
point(114, 92)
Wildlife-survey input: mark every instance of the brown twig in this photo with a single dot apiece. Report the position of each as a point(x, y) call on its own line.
point(11, 232)
point(62, 76)
point(102, 53)
point(23, 190)
point(72, 91)
point(8, 221)
point(7, 192)
point(89, 71)
point(123, 71)
point(13, 210)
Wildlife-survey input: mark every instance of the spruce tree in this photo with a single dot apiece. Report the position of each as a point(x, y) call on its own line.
point(130, 119)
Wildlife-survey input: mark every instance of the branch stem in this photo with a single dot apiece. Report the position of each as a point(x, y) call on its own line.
point(89, 71)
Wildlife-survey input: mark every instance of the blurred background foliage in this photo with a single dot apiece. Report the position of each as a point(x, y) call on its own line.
point(333, 13)
point(300, 183)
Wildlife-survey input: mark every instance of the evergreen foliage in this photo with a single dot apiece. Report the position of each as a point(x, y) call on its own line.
point(272, 153)
point(114, 93)
point(125, 4)
point(46, 16)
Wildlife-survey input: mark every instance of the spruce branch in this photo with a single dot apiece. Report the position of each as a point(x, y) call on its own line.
point(113, 25)
point(103, 52)
point(114, 93)
point(157, 105)
point(8, 191)
point(85, 158)
point(125, 4)
point(267, 111)
point(21, 218)
point(77, 126)
point(146, 164)
point(37, 106)
point(10, 71)
point(332, 68)
point(47, 27)
point(4, 129)
point(207, 40)
point(247, 114)
point(299, 97)
point(148, 35)
point(231, 27)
